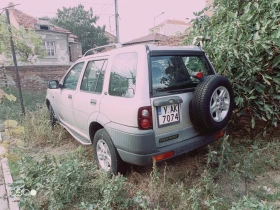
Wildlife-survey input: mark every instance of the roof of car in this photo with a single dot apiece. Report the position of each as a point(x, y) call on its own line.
point(180, 48)
point(151, 47)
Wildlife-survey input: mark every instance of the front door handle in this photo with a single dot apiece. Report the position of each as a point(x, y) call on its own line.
point(93, 102)
point(70, 96)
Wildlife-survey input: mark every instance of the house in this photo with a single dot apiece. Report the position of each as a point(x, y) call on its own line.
point(111, 38)
point(209, 3)
point(170, 28)
point(62, 47)
point(148, 39)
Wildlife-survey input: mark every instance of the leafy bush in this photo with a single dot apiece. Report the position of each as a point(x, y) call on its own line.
point(245, 47)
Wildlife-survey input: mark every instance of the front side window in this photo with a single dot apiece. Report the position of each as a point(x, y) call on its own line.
point(171, 73)
point(123, 75)
point(50, 48)
point(72, 78)
point(94, 75)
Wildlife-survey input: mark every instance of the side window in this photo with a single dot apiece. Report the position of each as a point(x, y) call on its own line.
point(93, 76)
point(123, 75)
point(196, 64)
point(99, 85)
point(72, 78)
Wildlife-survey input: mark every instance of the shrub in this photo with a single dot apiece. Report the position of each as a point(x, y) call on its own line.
point(245, 47)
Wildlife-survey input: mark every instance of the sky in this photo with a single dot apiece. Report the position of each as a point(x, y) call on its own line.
point(136, 17)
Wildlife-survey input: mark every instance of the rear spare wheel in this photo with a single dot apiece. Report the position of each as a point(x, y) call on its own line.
point(212, 103)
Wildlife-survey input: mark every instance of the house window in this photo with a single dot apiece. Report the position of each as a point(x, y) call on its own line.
point(42, 27)
point(50, 48)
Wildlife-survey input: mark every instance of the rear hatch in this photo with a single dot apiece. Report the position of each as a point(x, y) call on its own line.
point(172, 89)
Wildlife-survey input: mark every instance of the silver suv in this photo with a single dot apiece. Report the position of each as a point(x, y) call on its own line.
point(141, 103)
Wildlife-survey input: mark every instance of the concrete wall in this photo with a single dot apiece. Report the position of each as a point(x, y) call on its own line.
point(172, 29)
point(61, 47)
point(32, 77)
point(169, 29)
point(75, 50)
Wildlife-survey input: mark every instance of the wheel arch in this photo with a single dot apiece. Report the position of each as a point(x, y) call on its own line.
point(48, 103)
point(93, 128)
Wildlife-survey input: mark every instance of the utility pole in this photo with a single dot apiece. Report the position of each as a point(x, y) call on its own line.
point(117, 20)
point(15, 62)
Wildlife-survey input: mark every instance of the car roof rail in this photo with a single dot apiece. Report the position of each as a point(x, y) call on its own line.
point(117, 45)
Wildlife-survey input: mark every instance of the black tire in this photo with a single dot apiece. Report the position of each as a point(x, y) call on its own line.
point(203, 100)
point(53, 120)
point(116, 165)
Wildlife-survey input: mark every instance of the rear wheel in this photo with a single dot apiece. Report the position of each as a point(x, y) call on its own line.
point(106, 154)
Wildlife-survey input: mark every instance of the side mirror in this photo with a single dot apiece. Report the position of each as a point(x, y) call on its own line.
point(53, 84)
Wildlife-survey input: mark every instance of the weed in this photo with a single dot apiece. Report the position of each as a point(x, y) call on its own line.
point(32, 101)
point(38, 130)
point(251, 203)
point(70, 182)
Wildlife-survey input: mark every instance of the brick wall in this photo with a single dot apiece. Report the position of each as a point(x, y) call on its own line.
point(32, 77)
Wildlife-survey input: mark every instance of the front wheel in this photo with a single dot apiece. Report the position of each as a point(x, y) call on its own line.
point(105, 153)
point(53, 120)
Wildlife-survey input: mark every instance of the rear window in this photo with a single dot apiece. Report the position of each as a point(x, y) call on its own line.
point(172, 73)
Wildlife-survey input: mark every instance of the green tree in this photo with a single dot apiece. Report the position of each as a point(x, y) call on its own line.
point(81, 23)
point(245, 46)
point(28, 44)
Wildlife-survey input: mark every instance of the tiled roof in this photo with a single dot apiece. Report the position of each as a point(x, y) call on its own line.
point(28, 21)
point(150, 37)
point(175, 22)
point(23, 19)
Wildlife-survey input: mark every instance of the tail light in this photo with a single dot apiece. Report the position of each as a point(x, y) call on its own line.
point(220, 134)
point(163, 156)
point(145, 118)
point(197, 75)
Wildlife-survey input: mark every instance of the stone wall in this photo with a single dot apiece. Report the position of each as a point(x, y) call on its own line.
point(31, 77)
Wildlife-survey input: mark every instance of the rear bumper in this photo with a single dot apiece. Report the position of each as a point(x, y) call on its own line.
point(178, 149)
point(139, 148)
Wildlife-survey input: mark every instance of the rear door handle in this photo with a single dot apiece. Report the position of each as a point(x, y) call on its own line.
point(93, 102)
point(70, 96)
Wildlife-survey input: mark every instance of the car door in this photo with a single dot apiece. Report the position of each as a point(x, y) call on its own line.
point(86, 101)
point(67, 93)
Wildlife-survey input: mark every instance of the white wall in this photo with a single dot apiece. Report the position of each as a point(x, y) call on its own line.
point(61, 48)
point(172, 29)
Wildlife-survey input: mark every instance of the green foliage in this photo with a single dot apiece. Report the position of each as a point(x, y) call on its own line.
point(71, 182)
point(26, 41)
point(250, 203)
point(245, 47)
point(81, 23)
point(11, 110)
point(9, 97)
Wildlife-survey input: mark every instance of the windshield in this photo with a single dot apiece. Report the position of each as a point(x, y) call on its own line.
point(172, 73)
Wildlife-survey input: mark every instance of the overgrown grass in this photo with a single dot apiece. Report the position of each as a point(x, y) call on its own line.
point(32, 100)
point(228, 174)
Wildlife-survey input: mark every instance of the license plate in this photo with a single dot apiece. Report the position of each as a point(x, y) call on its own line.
point(168, 114)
